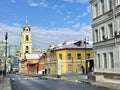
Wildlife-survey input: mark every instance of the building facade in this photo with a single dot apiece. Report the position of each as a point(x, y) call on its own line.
point(26, 47)
point(14, 53)
point(106, 36)
point(67, 57)
point(35, 63)
point(2, 56)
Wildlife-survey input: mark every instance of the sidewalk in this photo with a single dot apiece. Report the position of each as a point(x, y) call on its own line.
point(5, 83)
point(109, 83)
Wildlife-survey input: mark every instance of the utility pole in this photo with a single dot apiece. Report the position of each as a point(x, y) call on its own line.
point(85, 56)
point(6, 37)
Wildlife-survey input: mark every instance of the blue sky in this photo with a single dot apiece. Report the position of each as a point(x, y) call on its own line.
point(51, 21)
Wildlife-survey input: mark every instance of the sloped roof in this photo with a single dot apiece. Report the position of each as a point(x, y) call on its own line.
point(72, 44)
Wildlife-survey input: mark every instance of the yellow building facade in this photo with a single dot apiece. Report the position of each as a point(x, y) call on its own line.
point(74, 59)
point(26, 47)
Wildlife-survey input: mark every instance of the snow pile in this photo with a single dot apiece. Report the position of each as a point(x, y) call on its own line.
point(72, 44)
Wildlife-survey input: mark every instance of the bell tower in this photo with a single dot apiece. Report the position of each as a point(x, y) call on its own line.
point(26, 46)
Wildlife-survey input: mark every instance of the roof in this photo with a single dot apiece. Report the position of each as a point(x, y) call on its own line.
point(72, 45)
point(33, 56)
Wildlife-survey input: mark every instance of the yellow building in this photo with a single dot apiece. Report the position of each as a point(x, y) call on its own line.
point(75, 57)
point(26, 47)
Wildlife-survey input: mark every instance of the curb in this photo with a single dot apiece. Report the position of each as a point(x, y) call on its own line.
point(81, 81)
point(66, 79)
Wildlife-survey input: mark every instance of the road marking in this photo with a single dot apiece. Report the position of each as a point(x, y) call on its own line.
point(26, 78)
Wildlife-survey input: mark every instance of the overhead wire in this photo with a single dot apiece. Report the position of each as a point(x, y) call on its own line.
point(18, 35)
point(10, 31)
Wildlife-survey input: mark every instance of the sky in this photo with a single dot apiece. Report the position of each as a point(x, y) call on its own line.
point(51, 21)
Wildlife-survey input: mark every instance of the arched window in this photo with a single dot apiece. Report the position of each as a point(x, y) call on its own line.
point(27, 38)
point(26, 49)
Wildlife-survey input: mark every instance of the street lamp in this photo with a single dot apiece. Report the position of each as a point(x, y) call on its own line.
point(72, 65)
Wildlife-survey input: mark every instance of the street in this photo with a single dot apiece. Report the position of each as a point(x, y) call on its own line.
point(20, 82)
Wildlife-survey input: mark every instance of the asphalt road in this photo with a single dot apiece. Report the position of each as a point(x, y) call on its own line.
point(20, 82)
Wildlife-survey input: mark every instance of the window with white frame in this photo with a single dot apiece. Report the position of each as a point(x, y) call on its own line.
point(117, 2)
point(102, 32)
point(110, 4)
point(110, 27)
point(98, 60)
point(111, 59)
point(117, 24)
point(79, 56)
point(60, 56)
point(102, 6)
point(69, 56)
point(96, 10)
point(96, 35)
point(105, 60)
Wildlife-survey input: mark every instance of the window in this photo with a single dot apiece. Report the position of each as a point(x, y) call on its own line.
point(111, 59)
point(69, 55)
point(110, 26)
point(69, 67)
point(105, 60)
point(26, 29)
point(96, 10)
point(88, 55)
point(27, 38)
point(78, 67)
point(96, 35)
point(98, 60)
point(79, 56)
point(26, 49)
point(102, 6)
point(103, 32)
point(60, 56)
point(110, 4)
point(117, 2)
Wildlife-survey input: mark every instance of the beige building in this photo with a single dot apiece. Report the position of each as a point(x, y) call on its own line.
point(70, 57)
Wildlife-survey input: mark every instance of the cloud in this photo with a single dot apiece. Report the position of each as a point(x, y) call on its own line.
point(43, 4)
point(13, 33)
point(42, 37)
point(31, 3)
point(55, 6)
point(12, 1)
point(70, 22)
point(67, 17)
point(34, 4)
point(59, 12)
point(76, 25)
point(76, 1)
point(81, 1)
point(68, 1)
point(88, 8)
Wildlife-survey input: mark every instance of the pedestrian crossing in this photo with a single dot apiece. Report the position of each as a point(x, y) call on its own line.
point(25, 78)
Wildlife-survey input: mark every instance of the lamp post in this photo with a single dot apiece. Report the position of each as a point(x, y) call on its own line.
point(6, 37)
point(72, 65)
